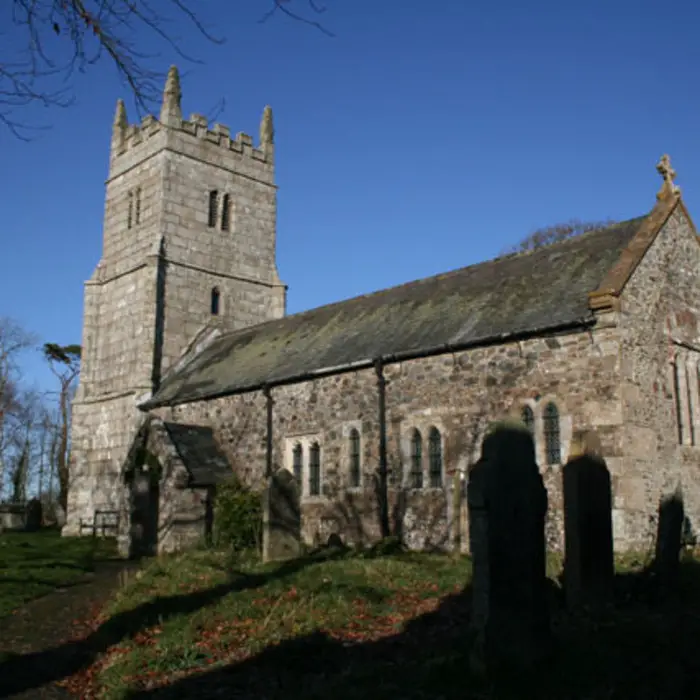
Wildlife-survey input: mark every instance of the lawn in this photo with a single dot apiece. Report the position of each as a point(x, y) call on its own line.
point(33, 564)
point(345, 626)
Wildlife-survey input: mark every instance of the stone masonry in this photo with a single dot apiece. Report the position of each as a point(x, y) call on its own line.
point(151, 293)
point(630, 372)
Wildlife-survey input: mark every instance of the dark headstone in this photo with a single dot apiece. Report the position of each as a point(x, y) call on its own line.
point(669, 541)
point(281, 517)
point(34, 515)
point(589, 567)
point(507, 507)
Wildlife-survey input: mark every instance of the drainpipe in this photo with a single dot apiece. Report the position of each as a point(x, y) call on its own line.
point(269, 403)
point(383, 483)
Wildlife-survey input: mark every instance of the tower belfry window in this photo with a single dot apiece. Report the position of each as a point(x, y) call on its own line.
point(130, 215)
point(215, 301)
point(225, 213)
point(213, 202)
point(138, 205)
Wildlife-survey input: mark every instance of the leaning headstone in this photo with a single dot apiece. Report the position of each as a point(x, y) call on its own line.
point(668, 542)
point(33, 516)
point(589, 567)
point(281, 517)
point(507, 504)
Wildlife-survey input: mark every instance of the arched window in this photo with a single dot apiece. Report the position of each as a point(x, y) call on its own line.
point(691, 409)
point(528, 418)
point(416, 460)
point(297, 461)
point(355, 461)
point(315, 470)
point(225, 213)
point(213, 202)
point(215, 300)
point(677, 398)
point(552, 438)
point(435, 455)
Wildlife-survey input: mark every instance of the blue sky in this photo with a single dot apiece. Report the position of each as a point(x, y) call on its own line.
point(426, 135)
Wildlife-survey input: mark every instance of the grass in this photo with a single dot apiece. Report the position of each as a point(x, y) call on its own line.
point(345, 626)
point(34, 564)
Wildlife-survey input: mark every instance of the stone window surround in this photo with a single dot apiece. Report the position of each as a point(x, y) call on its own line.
point(305, 440)
point(537, 407)
point(133, 197)
point(688, 399)
point(217, 216)
point(346, 429)
point(423, 425)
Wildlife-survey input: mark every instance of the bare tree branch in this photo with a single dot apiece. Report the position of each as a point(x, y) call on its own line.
point(283, 6)
point(61, 37)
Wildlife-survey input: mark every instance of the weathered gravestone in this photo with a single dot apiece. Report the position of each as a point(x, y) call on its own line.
point(507, 504)
point(589, 567)
point(669, 540)
point(281, 517)
point(34, 515)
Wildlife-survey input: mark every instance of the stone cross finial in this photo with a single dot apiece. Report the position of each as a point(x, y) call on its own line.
point(267, 131)
point(171, 111)
point(667, 172)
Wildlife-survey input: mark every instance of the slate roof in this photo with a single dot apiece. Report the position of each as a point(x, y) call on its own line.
point(516, 295)
point(199, 452)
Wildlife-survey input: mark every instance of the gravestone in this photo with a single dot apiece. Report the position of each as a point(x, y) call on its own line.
point(34, 515)
point(589, 567)
point(281, 517)
point(669, 540)
point(60, 515)
point(507, 504)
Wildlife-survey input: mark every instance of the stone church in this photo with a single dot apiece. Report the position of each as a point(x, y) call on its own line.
point(192, 369)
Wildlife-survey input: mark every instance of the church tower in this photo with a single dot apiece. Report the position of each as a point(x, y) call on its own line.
point(188, 242)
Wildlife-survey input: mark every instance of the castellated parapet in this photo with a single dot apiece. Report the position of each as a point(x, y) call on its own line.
point(132, 142)
point(189, 243)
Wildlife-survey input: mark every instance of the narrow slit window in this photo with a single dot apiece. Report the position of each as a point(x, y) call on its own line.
point(552, 437)
point(691, 407)
point(225, 213)
point(315, 470)
point(435, 455)
point(138, 206)
point(416, 460)
point(215, 301)
point(297, 461)
point(677, 398)
point(130, 214)
point(213, 202)
point(355, 460)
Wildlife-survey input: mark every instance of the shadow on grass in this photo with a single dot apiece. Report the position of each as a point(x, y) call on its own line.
point(640, 647)
point(20, 673)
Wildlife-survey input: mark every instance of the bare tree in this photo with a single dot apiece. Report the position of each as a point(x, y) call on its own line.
point(556, 233)
point(60, 37)
point(64, 361)
point(14, 340)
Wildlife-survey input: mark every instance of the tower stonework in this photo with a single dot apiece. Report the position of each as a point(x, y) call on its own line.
point(189, 243)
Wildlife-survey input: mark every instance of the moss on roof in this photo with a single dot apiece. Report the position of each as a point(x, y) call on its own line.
point(514, 295)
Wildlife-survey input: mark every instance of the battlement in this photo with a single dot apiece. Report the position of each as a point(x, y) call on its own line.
point(126, 137)
point(197, 126)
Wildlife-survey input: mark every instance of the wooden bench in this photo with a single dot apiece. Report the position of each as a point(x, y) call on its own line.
point(105, 522)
